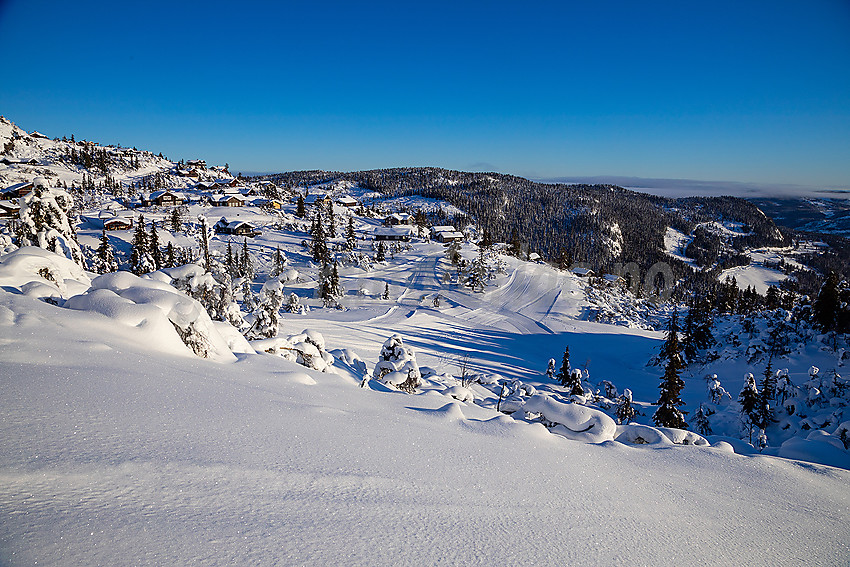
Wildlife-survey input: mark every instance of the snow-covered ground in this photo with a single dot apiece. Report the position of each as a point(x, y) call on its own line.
point(114, 452)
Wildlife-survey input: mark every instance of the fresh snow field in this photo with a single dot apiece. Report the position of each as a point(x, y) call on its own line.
point(117, 450)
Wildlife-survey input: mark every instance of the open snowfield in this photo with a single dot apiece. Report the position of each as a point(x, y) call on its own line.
point(115, 452)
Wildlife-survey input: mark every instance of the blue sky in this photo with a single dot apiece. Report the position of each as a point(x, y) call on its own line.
point(742, 91)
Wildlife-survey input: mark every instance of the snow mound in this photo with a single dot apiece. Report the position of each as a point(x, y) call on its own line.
point(573, 421)
point(636, 434)
point(56, 274)
point(306, 348)
point(459, 393)
point(171, 321)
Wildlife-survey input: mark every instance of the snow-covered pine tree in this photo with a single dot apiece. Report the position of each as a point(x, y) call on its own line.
point(386, 294)
point(104, 261)
point(564, 372)
point(140, 256)
point(668, 413)
point(293, 305)
point(625, 411)
point(750, 402)
point(767, 396)
point(576, 389)
point(44, 222)
point(453, 253)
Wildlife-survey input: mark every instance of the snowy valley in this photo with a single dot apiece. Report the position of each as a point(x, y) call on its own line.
point(320, 368)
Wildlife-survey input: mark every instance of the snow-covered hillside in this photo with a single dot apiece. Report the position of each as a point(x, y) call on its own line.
point(282, 395)
point(114, 452)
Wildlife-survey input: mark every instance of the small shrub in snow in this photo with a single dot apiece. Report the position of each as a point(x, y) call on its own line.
point(397, 365)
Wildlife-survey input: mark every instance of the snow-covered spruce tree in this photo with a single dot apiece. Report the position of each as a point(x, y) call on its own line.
point(826, 304)
point(205, 242)
point(386, 294)
point(668, 413)
point(44, 222)
point(701, 423)
point(750, 403)
point(300, 209)
point(141, 261)
point(716, 392)
point(246, 262)
point(330, 290)
point(293, 305)
point(698, 324)
point(267, 313)
point(478, 272)
point(321, 254)
point(381, 252)
point(453, 253)
point(767, 396)
point(397, 365)
point(104, 261)
point(574, 384)
point(625, 411)
point(170, 256)
point(331, 220)
point(175, 220)
point(550, 369)
point(280, 261)
point(153, 246)
point(350, 236)
point(564, 372)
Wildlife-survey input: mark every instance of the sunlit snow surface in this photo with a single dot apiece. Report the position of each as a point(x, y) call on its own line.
point(115, 451)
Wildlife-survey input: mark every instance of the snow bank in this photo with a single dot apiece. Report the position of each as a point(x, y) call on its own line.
point(576, 421)
point(171, 319)
point(57, 274)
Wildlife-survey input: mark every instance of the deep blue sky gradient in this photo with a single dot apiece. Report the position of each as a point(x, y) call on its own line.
point(754, 91)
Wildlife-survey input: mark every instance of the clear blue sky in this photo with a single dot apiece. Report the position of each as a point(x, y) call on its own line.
point(755, 91)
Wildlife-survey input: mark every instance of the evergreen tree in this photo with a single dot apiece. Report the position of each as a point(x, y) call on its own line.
point(205, 243)
point(176, 221)
point(170, 257)
point(478, 272)
point(381, 253)
point(44, 221)
point(320, 245)
point(331, 220)
point(750, 403)
point(703, 427)
point(565, 371)
point(279, 263)
point(668, 413)
point(246, 266)
point(698, 324)
point(767, 395)
point(550, 369)
point(300, 209)
point(140, 256)
point(625, 410)
point(104, 262)
point(386, 294)
point(267, 313)
point(826, 305)
point(350, 237)
point(153, 245)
